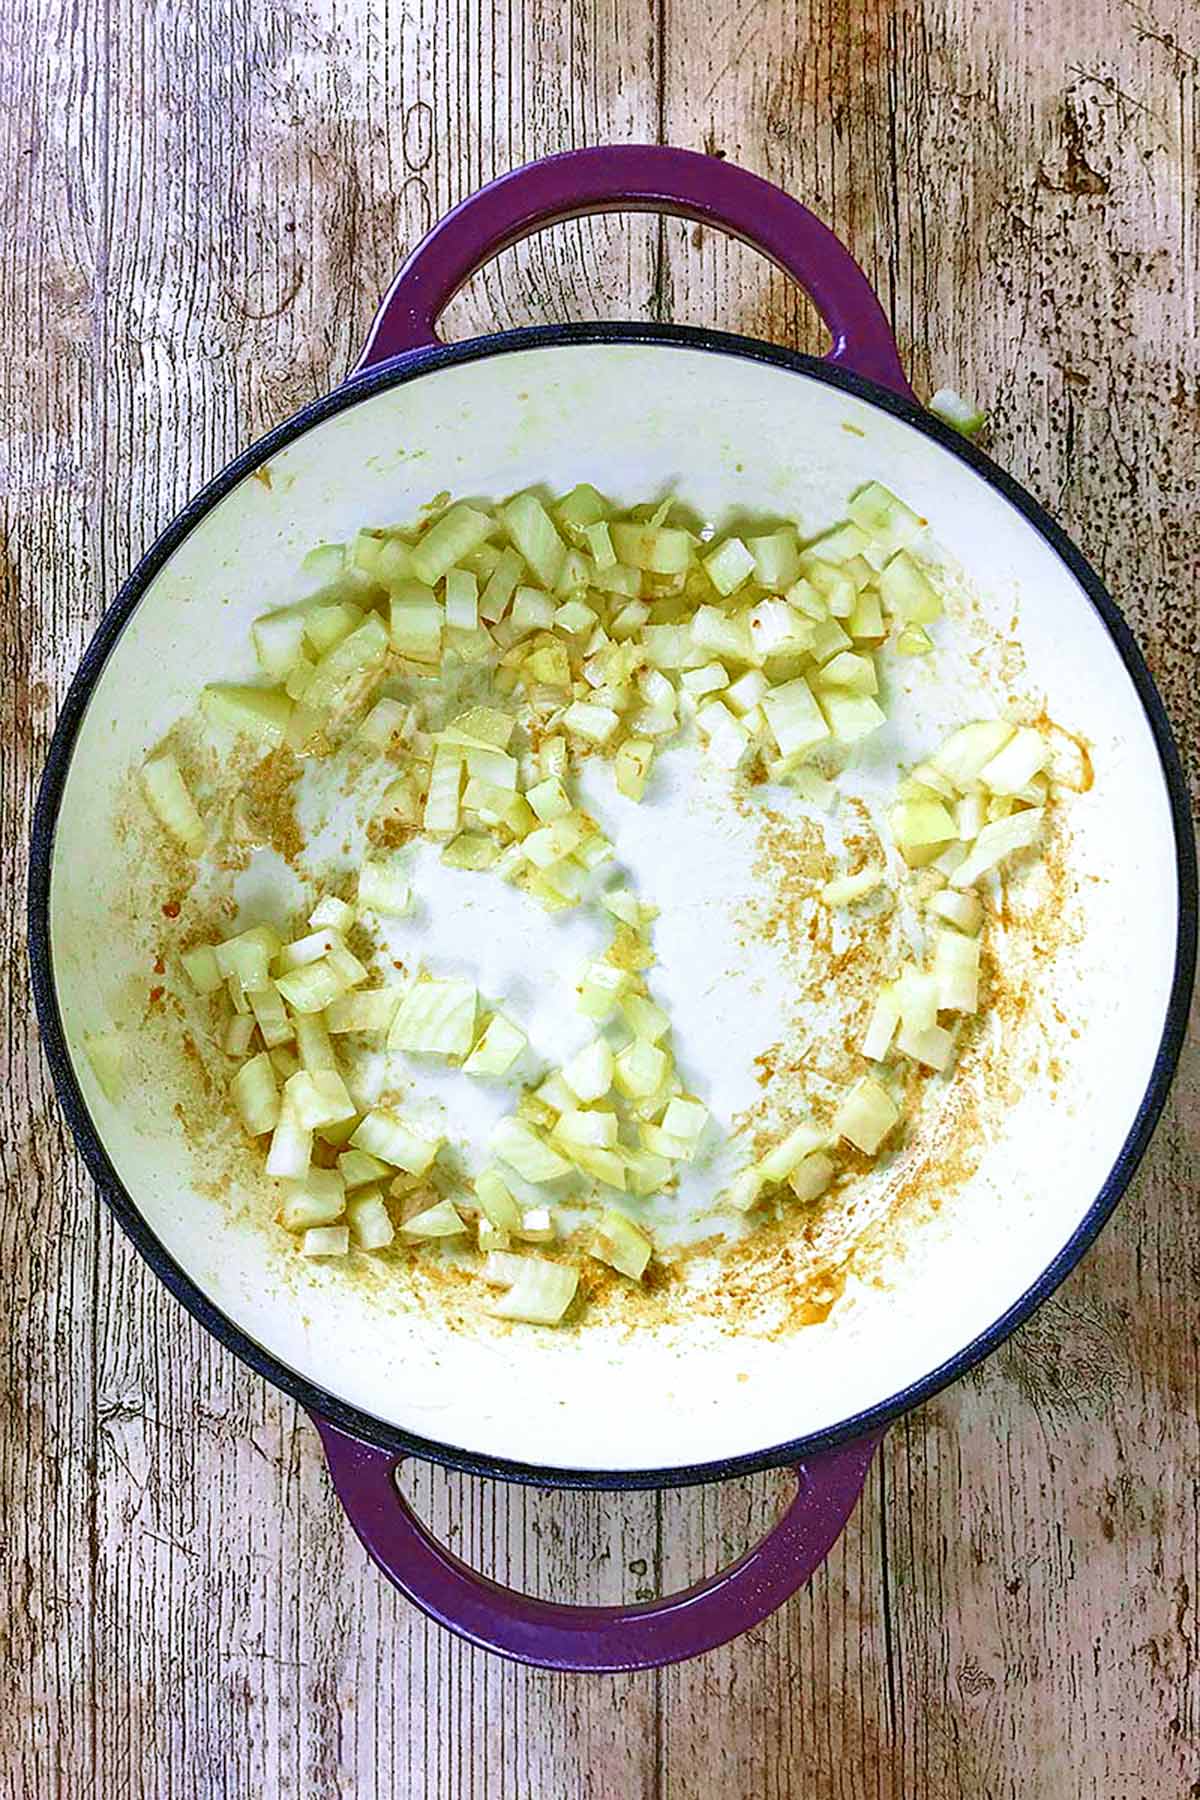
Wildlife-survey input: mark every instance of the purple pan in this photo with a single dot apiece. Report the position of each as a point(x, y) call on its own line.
point(827, 1437)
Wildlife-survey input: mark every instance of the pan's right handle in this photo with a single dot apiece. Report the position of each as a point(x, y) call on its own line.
point(640, 178)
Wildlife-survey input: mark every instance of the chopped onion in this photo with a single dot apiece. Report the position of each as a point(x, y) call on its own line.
point(238, 1033)
point(312, 988)
point(441, 1220)
point(961, 910)
point(358, 1168)
point(247, 958)
point(436, 1018)
point(727, 740)
point(995, 842)
point(881, 1028)
point(383, 1135)
point(778, 1163)
point(956, 970)
point(877, 512)
point(795, 719)
point(203, 970)
point(621, 1244)
point(967, 750)
point(587, 720)
point(1014, 767)
point(846, 889)
point(318, 1099)
point(729, 565)
point(496, 1202)
point(372, 1011)
point(369, 1222)
point(866, 1116)
point(326, 1240)
point(462, 600)
point(291, 1145)
point(907, 591)
point(539, 1292)
point(663, 549)
point(851, 716)
point(811, 1176)
point(589, 1074)
point(934, 1046)
point(271, 1016)
point(522, 1149)
point(498, 1048)
point(534, 534)
point(459, 531)
point(685, 1119)
point(317, 1199)
point(915, 823)
point(259, 713)
point(329, 911)
point(383, 887)
point(640, 1069)
point(958, 413)
point(171, 802)
point(416, 622)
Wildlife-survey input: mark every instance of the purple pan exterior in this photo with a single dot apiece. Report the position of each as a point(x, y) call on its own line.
point(625, 178)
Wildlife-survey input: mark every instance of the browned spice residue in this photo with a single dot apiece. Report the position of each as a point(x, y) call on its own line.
point(269, 798)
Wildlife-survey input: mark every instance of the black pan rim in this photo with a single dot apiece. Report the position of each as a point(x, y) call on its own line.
point(365, 1426)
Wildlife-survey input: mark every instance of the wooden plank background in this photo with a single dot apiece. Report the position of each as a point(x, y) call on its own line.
point(199, 208)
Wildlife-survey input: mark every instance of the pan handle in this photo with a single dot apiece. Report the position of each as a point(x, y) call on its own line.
point(639, 178)
point(601, 1639)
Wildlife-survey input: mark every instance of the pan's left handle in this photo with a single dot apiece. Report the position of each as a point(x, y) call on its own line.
point(602, 1639)
point(640, 178)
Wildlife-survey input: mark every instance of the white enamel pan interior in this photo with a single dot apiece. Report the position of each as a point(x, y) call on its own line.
point(726, 425)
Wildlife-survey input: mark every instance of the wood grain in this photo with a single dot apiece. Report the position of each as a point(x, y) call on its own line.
point(201, 207)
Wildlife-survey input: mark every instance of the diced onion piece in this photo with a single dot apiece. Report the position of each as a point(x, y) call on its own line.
point(312, 988)
point(601, 988)
point(203, 970)
point(729, 565)
point(308, 949)
point(383, 1135)
point(327, 624)
point(663, 549)
point(964, 911)
point(549, 800)
point(715, 630)
point(532, 610)
point(589, 1074)
point(471, 850)
point(596, 1128)
point(708, 680)
point(866, 620)
point(326, 1240)
point(835, 586)
point(539, 1292)
point(346, 667)
point(416, 619)
point(995, 842)
point(796, 720)
point(646, 1020)
point(745, 1190)
point(358, 1168)
point(573, 617)
point(743, 695)
point(970, 816)
point(550, 843)
point(645, 1173)
point(907, 591)
point(317, 1099)
point(881, 1027)
point(372, 1011)
point(279, 639)
point(866, 1116)
point(442, 1220)
point(291, 1146)
point(436, 1018)
point(915, 823)
point(778, 1163)
point(844, 890)
point(967, 750)
point(851, 670)
point(460, 530)
point(387, 723)
point(577, 511)
point(499, 587)
point(958, 413)
point(811, 1176)
point(727, 740)
point(369, 1222)
point(621, 1244)
point(1014, 767)
point(828, 639)
point(667, 646)
point(330, 911)
point(599, 541)
point(462, 600)
point(914, 640)
point(496, 1202)
point(884, 518)
point(663, 1144)
point(445, 787)
point(247, 957)
point(537, 1225)
point(685, 1119)
point(498, 1049)
point(170, 801)
point(851, 716)
point(533, 532)
point(956, 970)
point(383, 887)
point(916, 993)
point(934, 1046)
point(631, 766)
point(238, 1033)
point(522, 1149)
point(776, 559)
point(317, 1199)
point(271, 1016)
point(640, 1069)
point(585, 719)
